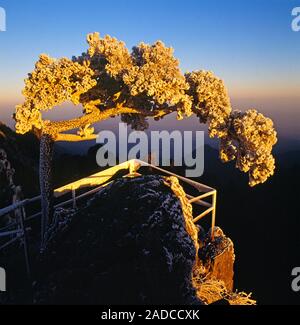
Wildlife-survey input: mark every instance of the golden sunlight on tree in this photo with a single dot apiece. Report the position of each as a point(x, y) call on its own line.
point(108, 80)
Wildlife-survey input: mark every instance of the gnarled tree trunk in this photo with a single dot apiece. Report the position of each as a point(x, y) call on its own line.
point(46, 183)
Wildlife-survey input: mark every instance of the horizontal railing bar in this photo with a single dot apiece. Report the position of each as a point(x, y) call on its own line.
point(87, 181)
point(8, 226)
point(202, 196)
point(197, 185)
point(12, 207)
point(199, 202)
point(105, 175)
point(18, 205)
point(10, 242)
point(203, 203)
point(95, 190)
point(92, 180)
point(12, 232)
point(203, 214)
point(33, 216)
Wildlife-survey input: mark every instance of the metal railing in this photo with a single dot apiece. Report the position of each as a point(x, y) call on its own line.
point(17, 230)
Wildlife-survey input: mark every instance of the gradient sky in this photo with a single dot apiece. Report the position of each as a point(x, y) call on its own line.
point(249, 44)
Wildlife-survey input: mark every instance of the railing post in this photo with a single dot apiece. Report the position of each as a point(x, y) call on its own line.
point(213, 217)
point(25, 242)
point(74, 198)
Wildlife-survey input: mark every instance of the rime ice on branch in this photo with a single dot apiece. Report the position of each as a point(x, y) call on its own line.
point(247, 136)
point(108, 80)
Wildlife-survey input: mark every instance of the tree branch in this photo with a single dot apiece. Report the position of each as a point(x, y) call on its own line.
point(54, 128)
point(74, 137)
point(95, 116)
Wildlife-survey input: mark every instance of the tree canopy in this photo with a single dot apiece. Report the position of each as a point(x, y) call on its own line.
point(109, 80)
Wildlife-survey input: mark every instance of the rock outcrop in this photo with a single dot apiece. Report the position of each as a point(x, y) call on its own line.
point(131, 245)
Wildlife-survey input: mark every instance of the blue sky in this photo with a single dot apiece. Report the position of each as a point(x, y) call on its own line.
point(249, 44)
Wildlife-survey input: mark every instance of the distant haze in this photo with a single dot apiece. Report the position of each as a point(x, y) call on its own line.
point(285, 113)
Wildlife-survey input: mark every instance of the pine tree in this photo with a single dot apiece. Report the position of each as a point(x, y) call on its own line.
point(108, 81)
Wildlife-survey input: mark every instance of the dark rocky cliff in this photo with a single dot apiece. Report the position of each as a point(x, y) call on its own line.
point(22, 152)
point(130, 245)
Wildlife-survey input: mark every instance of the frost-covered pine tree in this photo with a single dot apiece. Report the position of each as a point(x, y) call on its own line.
point(109, 80)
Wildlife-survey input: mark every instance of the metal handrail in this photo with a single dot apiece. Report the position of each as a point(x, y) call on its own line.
point(100, 180)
